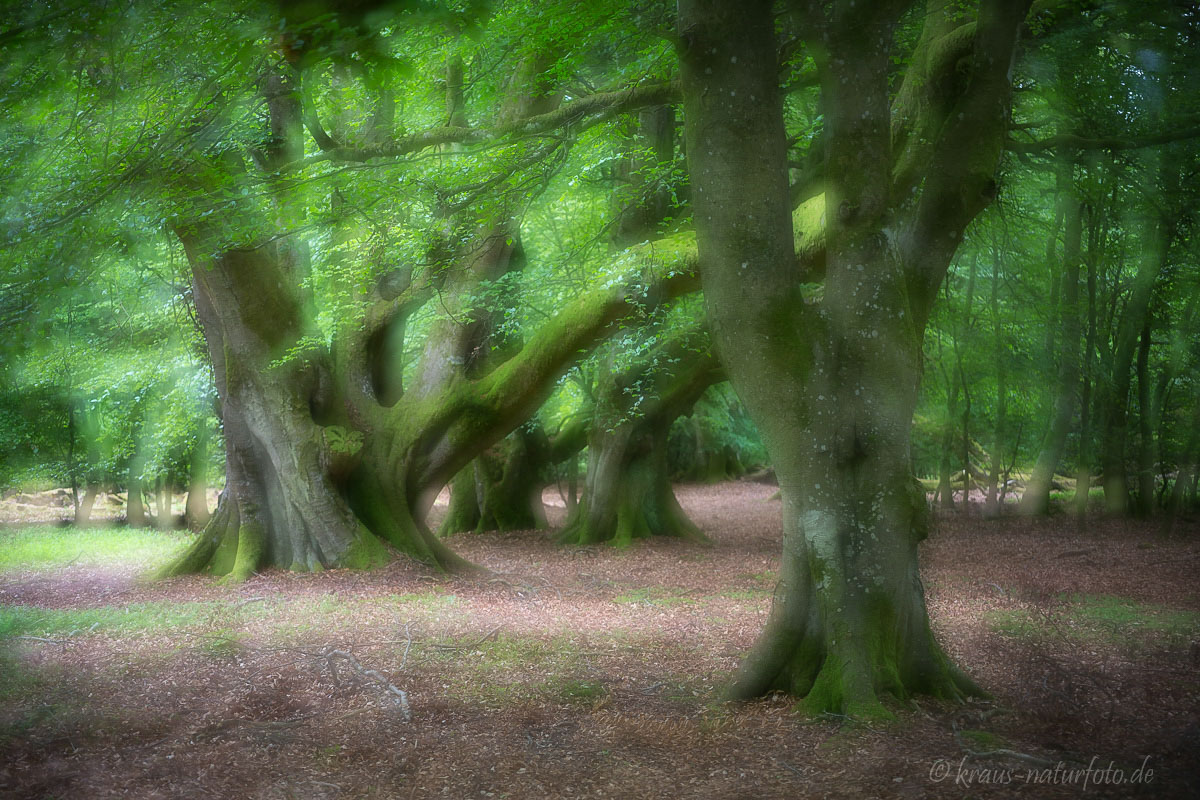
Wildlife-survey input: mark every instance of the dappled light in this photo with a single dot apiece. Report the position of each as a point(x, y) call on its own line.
point(543, 399)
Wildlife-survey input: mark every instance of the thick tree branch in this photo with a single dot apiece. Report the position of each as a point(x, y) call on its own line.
point(1074, 141)
point(490, 407)
point(583, 112)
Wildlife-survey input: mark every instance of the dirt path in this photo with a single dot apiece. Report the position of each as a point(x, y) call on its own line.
point(591, 672)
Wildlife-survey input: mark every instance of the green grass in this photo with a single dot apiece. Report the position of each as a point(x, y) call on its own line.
point(43, 547)
point(745, 594)
point(508, 670)
point(653, 596)
point(1101, 619)
point(585, 692)
point(1095, 495)
point(982, 741)
point(64, 622)
point(1118, 615)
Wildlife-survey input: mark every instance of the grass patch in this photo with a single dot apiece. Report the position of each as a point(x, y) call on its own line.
point(653, 596)
point(507, 670)
point(585, 692)
point(745, 594)
point(1118, 616)
point(982, 741)
point(1102, 619)
point(65, 622)
point(43, 547)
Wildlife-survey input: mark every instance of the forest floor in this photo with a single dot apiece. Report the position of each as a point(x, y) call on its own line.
point(594, 672)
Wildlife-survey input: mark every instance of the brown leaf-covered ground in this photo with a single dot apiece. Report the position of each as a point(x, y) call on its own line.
point(592, 672)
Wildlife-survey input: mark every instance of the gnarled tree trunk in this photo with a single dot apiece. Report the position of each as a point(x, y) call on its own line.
point(501, 490)
point(832, 382)
point(627, 491)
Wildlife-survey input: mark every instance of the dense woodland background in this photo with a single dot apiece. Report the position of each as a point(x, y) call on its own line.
point(445, 329)
point(1065, 337)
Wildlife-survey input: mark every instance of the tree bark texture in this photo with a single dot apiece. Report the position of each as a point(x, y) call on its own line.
point(832, 381)
point(627, 491)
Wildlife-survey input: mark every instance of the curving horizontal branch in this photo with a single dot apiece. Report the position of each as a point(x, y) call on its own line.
point(1073, 141)
point(583, 112)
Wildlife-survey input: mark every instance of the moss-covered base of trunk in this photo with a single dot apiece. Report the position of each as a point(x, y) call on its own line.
point(854, 664)
point(389, 516)
point(235, 545)
point(641, 507)
point(235, 548)
point(479, 504)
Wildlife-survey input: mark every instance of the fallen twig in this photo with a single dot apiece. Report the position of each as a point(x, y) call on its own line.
point(42, 639)
point(472, 645)
point(397, 695)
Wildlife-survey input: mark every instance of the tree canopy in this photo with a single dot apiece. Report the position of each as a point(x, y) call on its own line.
point(371, 249)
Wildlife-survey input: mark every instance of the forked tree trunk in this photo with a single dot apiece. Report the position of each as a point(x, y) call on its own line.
point(832, 384)
point(83, 511)
point(627, 491)
point(328, 454)
point(280, 506)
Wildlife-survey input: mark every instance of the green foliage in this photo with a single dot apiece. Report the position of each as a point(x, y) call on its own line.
point(343, 441)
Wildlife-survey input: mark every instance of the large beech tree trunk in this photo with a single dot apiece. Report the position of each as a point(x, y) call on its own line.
point(627, 491)
point(329, 454)
point(501, 490)
point(832, 383)
point(280, 506)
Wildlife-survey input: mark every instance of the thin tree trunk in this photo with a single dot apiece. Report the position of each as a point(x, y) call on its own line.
point(135, 506)
point(1000, 364)
point(1036, 499)
point(1083, 475)
point(1116, 418)
point(1146, 449)
point(960, 373)
point(162, 503)
point(196, 512)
